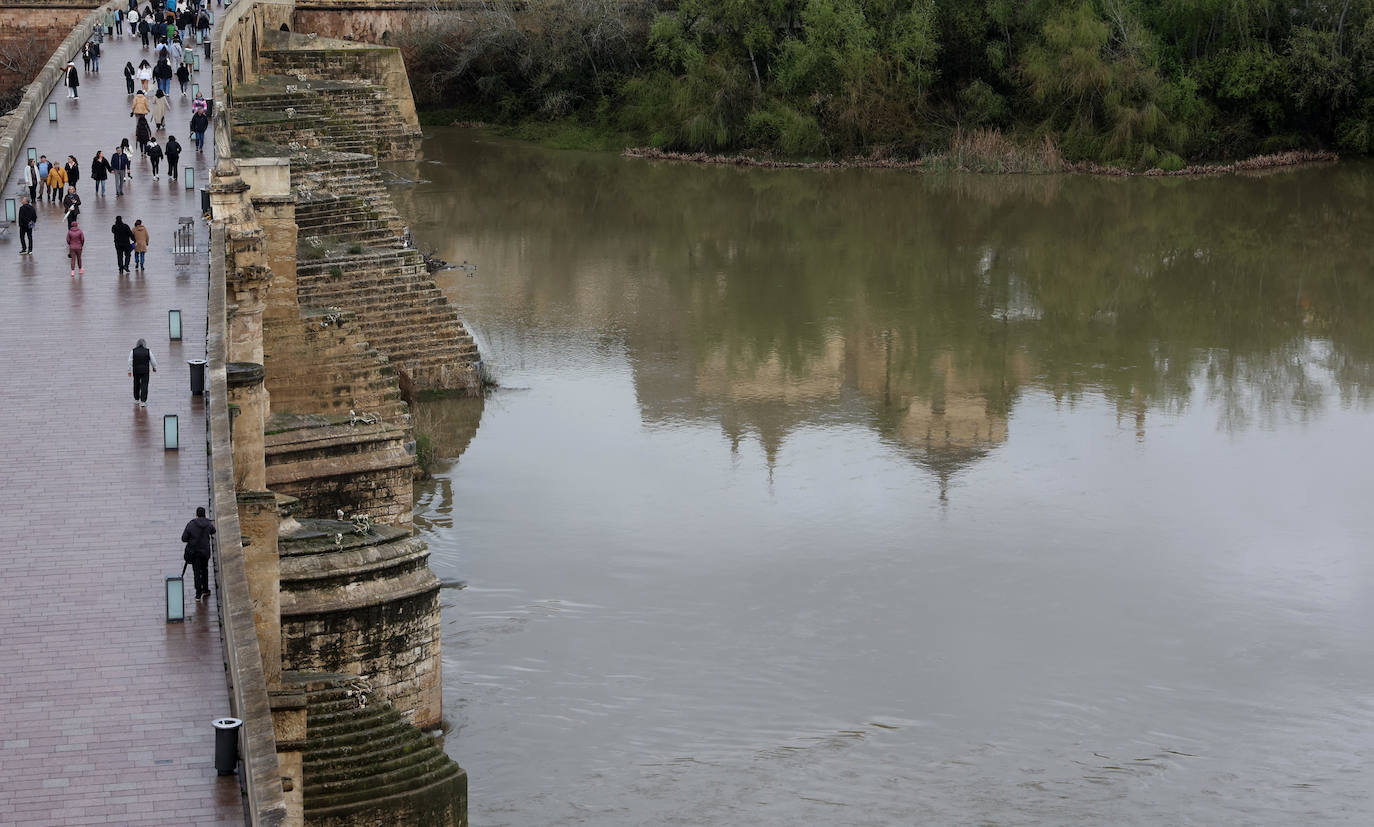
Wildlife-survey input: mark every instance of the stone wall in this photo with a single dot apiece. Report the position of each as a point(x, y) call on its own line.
point(242, 32)
point(15, 125)
point(329, 58)
point(333, 464)
point(364, 604)
point(30, 33)
point(330, 433)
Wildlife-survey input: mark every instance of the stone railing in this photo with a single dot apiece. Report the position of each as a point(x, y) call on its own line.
point(21, 120)
point(243, 659)
point(266, 803)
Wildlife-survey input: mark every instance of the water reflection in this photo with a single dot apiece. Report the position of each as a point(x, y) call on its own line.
point(922, 306)
point(710, 579)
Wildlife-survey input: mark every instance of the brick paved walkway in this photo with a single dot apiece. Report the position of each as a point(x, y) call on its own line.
point(105, 708)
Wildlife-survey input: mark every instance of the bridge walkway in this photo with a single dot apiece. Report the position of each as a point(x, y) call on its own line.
point(105, 708)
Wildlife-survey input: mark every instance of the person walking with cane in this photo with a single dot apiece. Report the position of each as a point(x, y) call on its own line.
point(196, 536)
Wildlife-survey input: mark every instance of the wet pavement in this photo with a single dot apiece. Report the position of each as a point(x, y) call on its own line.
point(105, 708)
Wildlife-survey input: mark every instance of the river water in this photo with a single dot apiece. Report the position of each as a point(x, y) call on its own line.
point(863, 498)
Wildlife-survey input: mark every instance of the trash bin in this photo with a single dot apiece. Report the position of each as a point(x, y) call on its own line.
point(227, 745)
point(197, 376)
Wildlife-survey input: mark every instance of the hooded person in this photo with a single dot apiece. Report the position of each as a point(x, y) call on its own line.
point(142, 133)
point(73, 81)
point(173, 149)
point(129, 75)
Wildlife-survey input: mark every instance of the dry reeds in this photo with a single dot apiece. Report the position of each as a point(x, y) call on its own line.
point(989, 151)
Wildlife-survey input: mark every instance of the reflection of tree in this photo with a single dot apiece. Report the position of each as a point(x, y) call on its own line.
point(450, 424)
point(929, 301)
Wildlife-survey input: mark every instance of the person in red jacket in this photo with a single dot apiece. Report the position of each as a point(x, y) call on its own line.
point(76, 242)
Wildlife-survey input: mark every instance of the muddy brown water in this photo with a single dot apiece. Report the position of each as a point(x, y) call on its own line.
point(868, 498)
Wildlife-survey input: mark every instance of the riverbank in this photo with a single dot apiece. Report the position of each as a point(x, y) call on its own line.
point(943, 163)
point(984, 151)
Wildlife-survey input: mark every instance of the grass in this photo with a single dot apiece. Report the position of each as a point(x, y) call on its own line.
point(989, 150)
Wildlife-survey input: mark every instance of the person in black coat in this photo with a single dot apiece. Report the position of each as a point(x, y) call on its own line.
point(123, 242)
point(183, 78)
point(196, 536)
point(129, 76)
point(71, 205)
point(28, 216)
point(173, 150)
point(100, 170)
point(73, 81)
point(142, 133)
point(162, 73)
point(199, 123)
point(73, 169)
point(154, 153)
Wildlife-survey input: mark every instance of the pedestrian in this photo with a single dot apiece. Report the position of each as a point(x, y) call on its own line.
point(31, 179)
point(199, 123)
point(162, 73)
point(100, 170)
point(160, 105)
point(57, 182)
point(140, 243)
point(73, 169)
point(203, 24)
point(177, 54)
point(28, 217)
point(109, 21)
point(73, 81)
point(129, 74)
point(95, 56)
point(119, 22)
point(154, 153)
point(76, 241)
point(123, 243)
point(199, 104)
point(145, 73)
point(71, 205)
point(143, 31)
point(196, 536)
point(183, 78)
point(140, 104)
point(141, 360)
point(44, 167)
point(119, 165)
point(86, 56)
point(173, 150)
point(142, 132)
